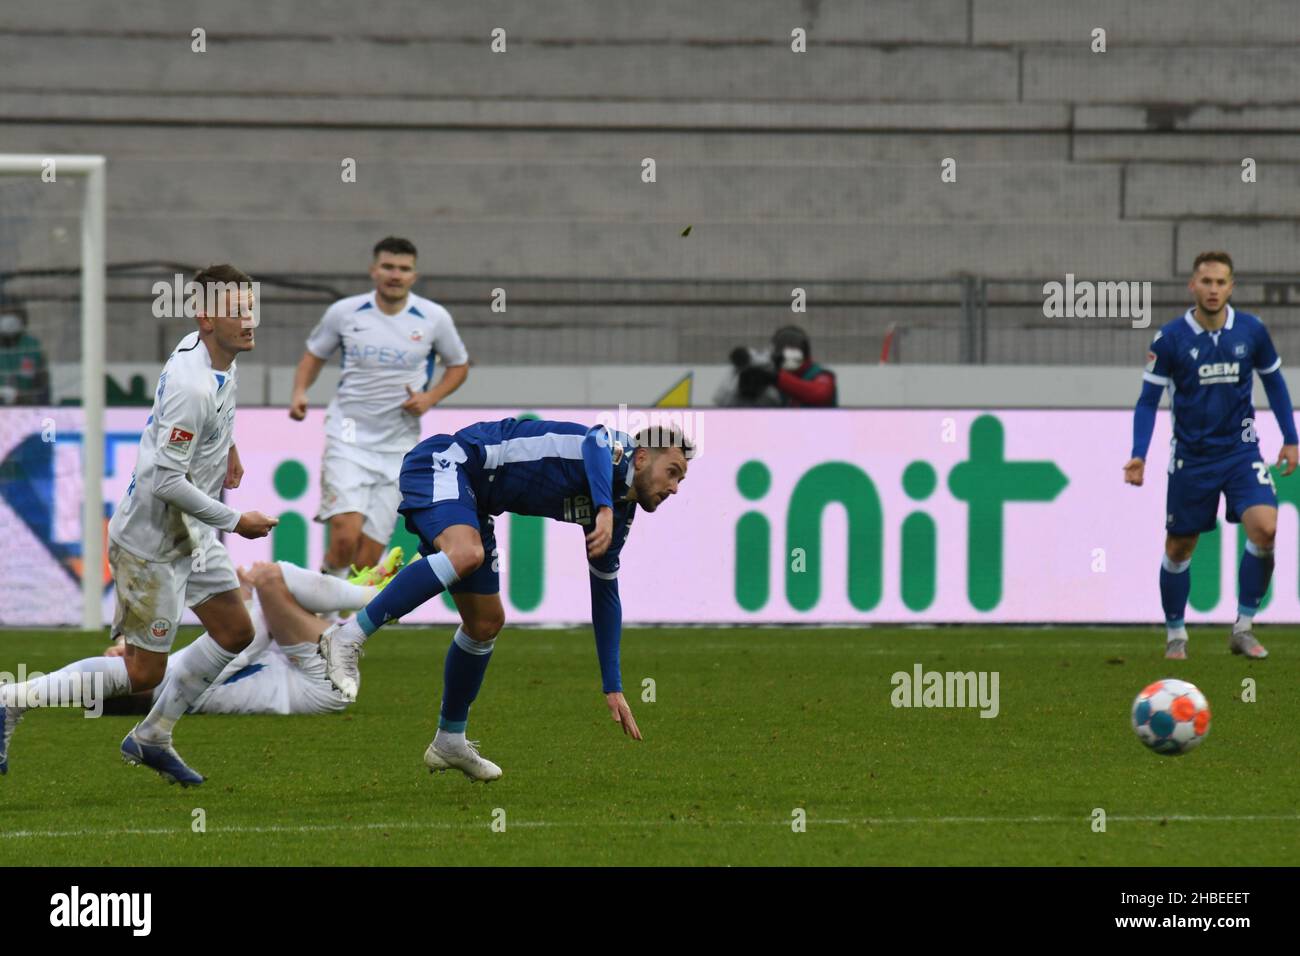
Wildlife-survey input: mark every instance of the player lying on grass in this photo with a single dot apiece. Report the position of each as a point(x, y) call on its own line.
point(451, 487)
point(1207, 358)
point(163, 548)
point(281, 672)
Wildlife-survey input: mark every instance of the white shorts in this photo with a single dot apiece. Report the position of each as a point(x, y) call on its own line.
point(367, 488)
point(152, 595)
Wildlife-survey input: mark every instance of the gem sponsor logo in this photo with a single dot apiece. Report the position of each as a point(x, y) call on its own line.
point(1218, 373)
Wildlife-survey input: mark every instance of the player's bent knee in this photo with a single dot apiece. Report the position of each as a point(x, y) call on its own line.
point(484, 629)
point(467, 559)
point(145, 675)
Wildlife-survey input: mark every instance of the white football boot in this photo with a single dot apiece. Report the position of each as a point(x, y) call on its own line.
point(464, 758)
point(342, 655)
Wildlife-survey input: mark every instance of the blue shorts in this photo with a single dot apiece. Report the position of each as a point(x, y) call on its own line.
point(1192, 501)
point(437, 486)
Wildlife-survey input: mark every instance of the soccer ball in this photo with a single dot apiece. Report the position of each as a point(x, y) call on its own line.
point(1171, 716)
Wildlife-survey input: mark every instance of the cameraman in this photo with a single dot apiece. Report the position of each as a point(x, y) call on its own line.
point(786, 375)
point(24, 371)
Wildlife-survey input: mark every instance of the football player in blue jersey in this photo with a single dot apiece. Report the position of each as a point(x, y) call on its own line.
point(451, 487)
point(1207, 358)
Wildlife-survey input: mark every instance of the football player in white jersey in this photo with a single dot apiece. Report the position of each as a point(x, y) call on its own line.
point(389, 338)
point(280, 672)
point(163, 547)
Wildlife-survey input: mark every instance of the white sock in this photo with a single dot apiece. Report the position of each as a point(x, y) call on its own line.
point(448, 740)
point(350, 630)
point(322, 593)
point(1244, 622)
point(81, 682)
point(187, 679)
point(1176, 634)
point(334, 572)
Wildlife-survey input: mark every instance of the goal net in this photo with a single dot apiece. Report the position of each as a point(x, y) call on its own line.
point(52, 436)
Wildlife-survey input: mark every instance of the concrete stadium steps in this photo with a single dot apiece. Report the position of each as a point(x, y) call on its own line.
point(557, 21)
point(1025, 22)
point(1203, 191)
point(1266, 247)
point(646, 250)
point(436, 113)
point(1148, 147)
point(607, 71)
point(528, 334)
point(303, 144)
point(573, 191)
point(1168, 75)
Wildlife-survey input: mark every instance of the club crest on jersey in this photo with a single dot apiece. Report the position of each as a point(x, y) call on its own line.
point(417, 335)
point(1196, 353)
point(180, 440)
point(1239, 350)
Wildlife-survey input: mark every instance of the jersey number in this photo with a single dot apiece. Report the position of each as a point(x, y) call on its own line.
point(1263, 474)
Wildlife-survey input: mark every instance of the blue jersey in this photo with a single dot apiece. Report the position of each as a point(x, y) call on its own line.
point(558, 470)
point(1211, 377)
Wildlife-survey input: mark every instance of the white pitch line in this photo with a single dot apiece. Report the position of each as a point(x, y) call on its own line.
point(537, 824)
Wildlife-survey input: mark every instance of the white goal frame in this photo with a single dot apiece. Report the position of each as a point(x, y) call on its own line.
point(92, 360)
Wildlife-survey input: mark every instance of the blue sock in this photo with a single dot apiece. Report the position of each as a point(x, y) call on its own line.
point(1175, 585)
point(413, 585)
point(1252, 578)
point(462, 676)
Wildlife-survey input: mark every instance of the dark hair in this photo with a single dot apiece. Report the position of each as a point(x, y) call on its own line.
point(792, 335)
point(657, 438)
point(224, 272)
point(1213, 256)
point(396, 245)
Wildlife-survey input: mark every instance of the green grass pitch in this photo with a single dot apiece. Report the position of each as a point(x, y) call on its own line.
point(747, 726)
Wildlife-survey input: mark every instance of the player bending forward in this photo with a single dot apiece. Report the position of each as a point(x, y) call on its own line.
point(451, 487)
point(163, 548)
point(1206, 358)
point(280, 672)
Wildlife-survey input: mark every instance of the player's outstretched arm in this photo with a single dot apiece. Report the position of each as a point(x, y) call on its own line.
point(1144, 424)
point(598, 463)
point(417, 403)
point(304, 376)
point(607, 622)
point(1279, 399)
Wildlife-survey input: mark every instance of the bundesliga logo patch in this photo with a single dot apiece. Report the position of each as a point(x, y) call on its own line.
point(180, 440)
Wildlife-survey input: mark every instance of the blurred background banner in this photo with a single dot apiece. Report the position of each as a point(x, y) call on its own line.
point(818, 516)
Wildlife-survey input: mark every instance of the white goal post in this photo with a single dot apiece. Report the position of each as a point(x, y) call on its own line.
point(92, 359)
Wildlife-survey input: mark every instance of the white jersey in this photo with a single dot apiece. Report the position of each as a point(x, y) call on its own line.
point(382, 355)
point(282, 679)
point(190, 430)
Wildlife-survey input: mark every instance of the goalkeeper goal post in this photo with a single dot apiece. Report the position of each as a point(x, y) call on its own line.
point(92, 168)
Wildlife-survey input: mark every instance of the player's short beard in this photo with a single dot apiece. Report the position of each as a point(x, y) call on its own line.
point(641, 482)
